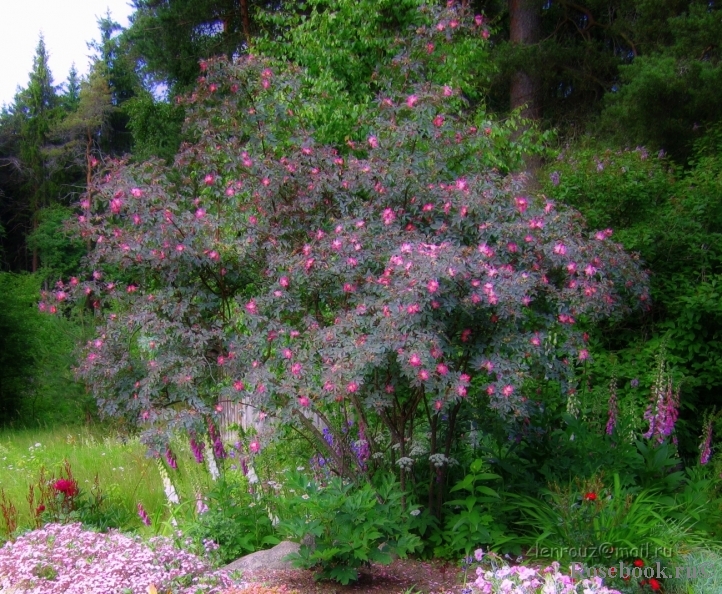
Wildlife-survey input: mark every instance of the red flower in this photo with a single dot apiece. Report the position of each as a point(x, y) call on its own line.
point(638, 563)
point(591, 496)
point(39, 510)
point(66, 487)
point(654, 584)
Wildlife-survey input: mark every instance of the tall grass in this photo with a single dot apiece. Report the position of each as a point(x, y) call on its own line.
point(125, 473)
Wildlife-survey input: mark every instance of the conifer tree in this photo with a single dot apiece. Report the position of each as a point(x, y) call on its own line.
point(38, 107)
point(71, 97)
point(121, 79)
point(119, 68)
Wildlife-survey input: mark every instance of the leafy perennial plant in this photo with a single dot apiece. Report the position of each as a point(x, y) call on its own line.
point(343, 528)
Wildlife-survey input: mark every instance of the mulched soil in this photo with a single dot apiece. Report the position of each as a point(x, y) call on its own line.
point(400, 577)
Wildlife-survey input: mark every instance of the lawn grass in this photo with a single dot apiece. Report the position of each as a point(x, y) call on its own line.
point(125, 474)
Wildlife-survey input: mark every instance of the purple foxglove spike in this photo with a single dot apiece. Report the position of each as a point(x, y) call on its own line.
point(143, 514)
point(170, 458)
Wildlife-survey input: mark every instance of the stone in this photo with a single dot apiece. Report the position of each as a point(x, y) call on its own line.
point(268, 559)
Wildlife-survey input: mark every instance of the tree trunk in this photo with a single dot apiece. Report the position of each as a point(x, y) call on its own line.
point(525, 30)
point(246, 23)
point(525, 93)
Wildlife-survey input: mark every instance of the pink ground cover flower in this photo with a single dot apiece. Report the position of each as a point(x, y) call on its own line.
point(505, 579)
point(66, 559)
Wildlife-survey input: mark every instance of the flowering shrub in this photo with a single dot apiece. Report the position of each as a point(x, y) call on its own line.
point(65, 559)
point(375, 282)
point(349, 49)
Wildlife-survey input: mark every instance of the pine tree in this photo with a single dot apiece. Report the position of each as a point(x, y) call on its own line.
point(12, 250)
point(72, 152)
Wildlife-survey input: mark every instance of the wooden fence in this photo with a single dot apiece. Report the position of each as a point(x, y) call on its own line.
point(245, 416)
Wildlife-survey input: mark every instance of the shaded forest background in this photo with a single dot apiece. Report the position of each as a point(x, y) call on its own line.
point(617, 111)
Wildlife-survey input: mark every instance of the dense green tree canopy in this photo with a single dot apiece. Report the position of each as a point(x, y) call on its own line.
point(169, 37)
point(651, 68)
